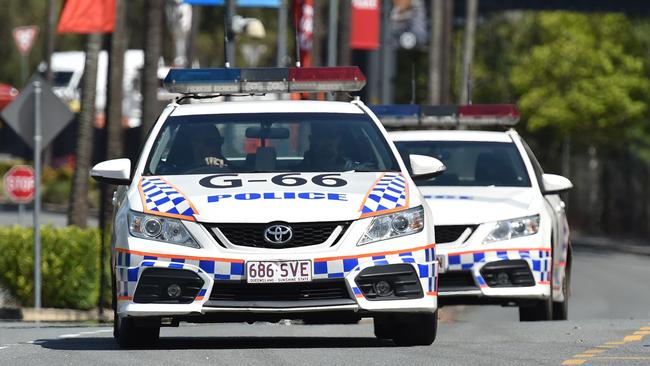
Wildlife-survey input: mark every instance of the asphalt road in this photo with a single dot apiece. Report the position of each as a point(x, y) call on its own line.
point(610, 325)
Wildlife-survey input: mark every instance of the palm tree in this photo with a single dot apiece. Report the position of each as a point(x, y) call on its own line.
point(78, 210)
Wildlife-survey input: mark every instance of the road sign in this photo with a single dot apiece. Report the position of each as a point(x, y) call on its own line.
point(19, 183)
point(19, 114)
point(24, 38)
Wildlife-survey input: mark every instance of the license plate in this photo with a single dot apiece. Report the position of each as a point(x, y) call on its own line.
point(442, 263)
point(278, 271)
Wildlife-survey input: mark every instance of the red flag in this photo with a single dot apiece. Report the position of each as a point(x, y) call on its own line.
point(87, 16)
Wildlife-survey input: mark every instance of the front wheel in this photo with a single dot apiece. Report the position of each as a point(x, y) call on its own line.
point(561, 309)
point(538, 310)
point(408, 329)
point(128, 334)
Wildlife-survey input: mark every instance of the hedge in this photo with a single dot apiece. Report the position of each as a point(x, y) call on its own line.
point(70, 266)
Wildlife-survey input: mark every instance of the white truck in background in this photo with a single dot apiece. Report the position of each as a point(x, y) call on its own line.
point(68, 69)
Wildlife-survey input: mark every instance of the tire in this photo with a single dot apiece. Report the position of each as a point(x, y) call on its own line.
point(538, 310)
point(415, 329)
point(383, 328)
point(561, 309)
point(127, 334)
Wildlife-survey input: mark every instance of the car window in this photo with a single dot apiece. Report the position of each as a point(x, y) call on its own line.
point(269, 142)
point(471, 163)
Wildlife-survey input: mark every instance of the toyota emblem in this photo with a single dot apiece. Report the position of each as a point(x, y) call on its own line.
point(278, 234)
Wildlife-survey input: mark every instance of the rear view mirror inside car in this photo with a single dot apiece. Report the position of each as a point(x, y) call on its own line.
point(267, 133)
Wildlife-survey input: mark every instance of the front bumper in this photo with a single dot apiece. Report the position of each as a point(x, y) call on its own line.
point(130, 265)
point(464, 274)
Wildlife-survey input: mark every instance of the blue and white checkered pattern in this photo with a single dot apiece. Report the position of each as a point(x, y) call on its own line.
point(340, 268)
point(389, 193)
point(161, 197)
point(129, 264)
point(538, 259)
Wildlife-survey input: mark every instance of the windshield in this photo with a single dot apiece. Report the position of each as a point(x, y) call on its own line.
point(62, 78)
point(269, 142)
point(471, 163)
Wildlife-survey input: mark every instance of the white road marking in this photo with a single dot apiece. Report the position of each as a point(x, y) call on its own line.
point(72, 335)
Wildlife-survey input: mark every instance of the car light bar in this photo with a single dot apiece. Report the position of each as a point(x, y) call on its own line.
point(447, 116)
point(265, 80)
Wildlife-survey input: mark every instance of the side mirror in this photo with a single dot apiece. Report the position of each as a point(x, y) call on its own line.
point(555, 184)
point(116, 171)
point(425, 167)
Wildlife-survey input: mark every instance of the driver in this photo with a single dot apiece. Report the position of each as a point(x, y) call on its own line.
point(325, 150)
point(206, 146)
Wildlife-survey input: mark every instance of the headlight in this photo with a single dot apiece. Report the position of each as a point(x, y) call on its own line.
point(393, 225)
point(515, 228)
point(160, 228)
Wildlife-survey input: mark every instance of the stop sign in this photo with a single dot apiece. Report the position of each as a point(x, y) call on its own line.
point(19, 183)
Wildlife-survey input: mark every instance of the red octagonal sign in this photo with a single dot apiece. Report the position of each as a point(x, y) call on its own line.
point(19, 183)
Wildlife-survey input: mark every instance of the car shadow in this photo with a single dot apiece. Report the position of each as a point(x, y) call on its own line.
point(108, 344)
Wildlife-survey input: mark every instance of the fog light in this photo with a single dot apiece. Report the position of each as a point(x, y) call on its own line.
point(503, 279)
point(174, 290)
point(383, 288)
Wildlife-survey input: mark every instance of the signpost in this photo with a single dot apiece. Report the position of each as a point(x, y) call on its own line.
point(24, 38)
point(24, 116)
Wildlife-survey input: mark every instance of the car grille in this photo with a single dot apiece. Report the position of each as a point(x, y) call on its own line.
point(298, 291)
point(451, 233)
point(252, 235)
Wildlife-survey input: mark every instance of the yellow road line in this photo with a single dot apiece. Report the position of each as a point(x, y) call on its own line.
point(632, 338)
point(574, 362)
point(582, 355)
point(642, 332)
point(644, 328)
point(615, 343)
point(623, 357)
point(593, 350)
point(602, 346)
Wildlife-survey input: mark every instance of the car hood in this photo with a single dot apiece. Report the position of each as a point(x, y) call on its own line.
point(268, 197)
point(476, 205)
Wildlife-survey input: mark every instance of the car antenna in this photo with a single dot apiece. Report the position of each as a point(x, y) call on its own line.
point(297, 32)
point(226, 39)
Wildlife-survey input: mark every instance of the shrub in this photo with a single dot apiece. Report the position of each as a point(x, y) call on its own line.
point(70, 265)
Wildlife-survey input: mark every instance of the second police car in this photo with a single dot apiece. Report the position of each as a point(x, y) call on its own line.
point(500, 223)
point(265, 210)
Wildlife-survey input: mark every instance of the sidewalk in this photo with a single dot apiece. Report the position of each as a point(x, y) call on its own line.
point(602, 243)
point(55, 315)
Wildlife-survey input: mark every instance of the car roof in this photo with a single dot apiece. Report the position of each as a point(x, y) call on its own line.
point(451, 135)
point(274, 106)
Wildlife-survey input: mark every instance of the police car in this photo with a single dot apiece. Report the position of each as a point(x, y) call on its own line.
point(267, 210)
point(500, 224)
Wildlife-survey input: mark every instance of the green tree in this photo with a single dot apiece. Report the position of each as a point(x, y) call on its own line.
point(584, 76)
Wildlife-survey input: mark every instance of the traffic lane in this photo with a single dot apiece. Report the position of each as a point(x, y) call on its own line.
point(458, 343)
point(25, 332)
point(606, 284)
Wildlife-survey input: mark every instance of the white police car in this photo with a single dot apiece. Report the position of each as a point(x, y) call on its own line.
point(267, 210)
point(500, 224)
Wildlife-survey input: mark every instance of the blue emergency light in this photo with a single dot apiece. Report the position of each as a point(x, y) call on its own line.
point(264, 80)
point(404, 115)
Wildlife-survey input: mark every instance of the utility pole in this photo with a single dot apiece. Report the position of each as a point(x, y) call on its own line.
point(50, 37)
point(468, 51)
point(435, 52)
point(387, 54)
point(283, 19)
point(332, 27)
point(231, 49)
point(345, 54)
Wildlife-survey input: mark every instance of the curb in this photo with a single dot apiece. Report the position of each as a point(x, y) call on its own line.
point(612, 245)
point(55, 315)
